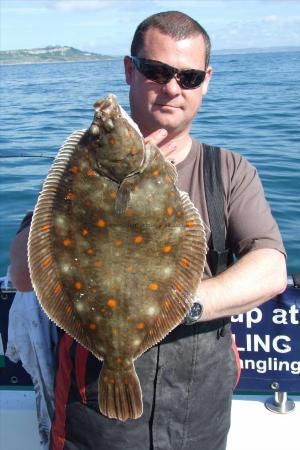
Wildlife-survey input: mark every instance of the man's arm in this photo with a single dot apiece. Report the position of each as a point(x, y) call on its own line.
point(19, 271)
point(255, 278)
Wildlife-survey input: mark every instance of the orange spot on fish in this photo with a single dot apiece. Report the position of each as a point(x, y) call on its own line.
point(90, 251)
point(85, 232)
point(179, 287)
point(90, 173)
point(118, 242)
point(45, 228)
point(185, 262)
point(101, 223)
point(167, 304)
point(153, 286)
point(129, 212)
point(98, 263)
point(138, 239)
point(70, 196)
point(167, 248)
point(140, 325)
point(57, 288)
point(92, 326)
point(169, 210)
point(190, 223)
point(74, 169)
point(112, 303)
point(114, 331)
point(119, 360)
point(68, 309)
point(133, 150)
point(130, 269)
point(78, 285)
point(67, 242)
point(111, 141)
point(113, 194)
point(47, 261)
point(155, 173)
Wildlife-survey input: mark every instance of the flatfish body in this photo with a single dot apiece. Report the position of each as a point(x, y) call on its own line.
point(116, 252)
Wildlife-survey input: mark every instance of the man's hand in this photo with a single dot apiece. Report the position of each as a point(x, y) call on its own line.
point(157, 137)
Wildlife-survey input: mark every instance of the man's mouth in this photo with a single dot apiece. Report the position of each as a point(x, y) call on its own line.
point(167, 105)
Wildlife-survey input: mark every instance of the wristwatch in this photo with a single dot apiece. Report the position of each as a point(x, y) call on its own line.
point(194, 313)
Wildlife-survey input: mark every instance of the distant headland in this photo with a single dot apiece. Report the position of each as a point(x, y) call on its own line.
point(58, 53)
point(50, 54)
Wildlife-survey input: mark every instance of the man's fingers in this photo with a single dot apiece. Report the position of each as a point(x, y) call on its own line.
point(157, 137)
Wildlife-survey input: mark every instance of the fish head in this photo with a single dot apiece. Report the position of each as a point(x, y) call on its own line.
point(116, 140)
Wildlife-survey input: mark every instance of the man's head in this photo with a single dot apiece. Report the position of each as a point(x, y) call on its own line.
point(179, 41)
point(176, 25)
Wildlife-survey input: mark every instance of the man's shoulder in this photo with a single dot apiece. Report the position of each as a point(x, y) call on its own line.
point(229, 158)
point(26, 221)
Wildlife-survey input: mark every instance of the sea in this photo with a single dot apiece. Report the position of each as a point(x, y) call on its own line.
point(252, 107)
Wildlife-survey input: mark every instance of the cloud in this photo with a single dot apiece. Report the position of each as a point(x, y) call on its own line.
point(93, 5)
point(269, 19)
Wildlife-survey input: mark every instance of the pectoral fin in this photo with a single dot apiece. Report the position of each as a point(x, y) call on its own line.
point(123, 194)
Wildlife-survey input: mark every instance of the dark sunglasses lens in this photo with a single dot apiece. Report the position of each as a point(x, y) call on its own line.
point(162, 73)
point(191, 79)
point(157, 72)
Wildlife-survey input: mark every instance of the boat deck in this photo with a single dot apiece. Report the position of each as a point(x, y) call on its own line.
point(253, 426)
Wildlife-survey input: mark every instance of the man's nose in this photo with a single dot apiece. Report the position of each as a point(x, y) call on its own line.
point(172, 88)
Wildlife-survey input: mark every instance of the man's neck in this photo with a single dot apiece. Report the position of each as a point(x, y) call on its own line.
point(176, 149)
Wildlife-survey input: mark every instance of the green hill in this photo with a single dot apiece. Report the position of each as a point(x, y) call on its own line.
point(49, 54)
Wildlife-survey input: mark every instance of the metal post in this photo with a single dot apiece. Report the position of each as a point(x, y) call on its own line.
point(280, 403)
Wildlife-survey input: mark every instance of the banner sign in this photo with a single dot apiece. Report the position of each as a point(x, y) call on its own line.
point(268, 341)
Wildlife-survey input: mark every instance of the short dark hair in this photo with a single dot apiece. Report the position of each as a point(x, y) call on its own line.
point(173, 23)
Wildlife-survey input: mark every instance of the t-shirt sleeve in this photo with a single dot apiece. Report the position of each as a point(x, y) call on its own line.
point(250, 222)
point(25, 222)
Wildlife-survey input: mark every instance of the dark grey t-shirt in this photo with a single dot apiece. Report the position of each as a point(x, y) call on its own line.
point(248, 219)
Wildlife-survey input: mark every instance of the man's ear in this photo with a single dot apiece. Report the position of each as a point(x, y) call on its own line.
point(205, 83)
point(128, 67)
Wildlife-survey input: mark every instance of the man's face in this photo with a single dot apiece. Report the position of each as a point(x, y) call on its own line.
point(168, 106)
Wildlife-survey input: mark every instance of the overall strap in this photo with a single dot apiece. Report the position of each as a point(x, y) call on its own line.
point(218, 257)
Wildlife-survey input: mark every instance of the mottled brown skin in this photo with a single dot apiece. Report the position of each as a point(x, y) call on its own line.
point(123, 250)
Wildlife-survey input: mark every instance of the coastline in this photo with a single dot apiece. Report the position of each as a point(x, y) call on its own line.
point(57, 62)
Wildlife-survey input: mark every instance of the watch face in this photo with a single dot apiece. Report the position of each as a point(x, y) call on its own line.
point(196, 310)
point(194, 314)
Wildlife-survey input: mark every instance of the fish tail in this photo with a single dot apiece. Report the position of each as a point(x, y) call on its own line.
point(119, 394)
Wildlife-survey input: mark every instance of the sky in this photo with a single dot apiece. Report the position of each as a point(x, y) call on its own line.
point(107, 26)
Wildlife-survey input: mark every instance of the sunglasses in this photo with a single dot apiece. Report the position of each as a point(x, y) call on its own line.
point(162, 73)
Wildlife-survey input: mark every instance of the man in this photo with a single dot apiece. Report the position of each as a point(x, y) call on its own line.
point(187, 380)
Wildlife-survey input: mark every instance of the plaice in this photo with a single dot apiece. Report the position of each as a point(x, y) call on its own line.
point(116, 251)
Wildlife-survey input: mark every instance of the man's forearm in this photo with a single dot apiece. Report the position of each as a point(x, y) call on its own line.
point(255, 278)
point(19, 264)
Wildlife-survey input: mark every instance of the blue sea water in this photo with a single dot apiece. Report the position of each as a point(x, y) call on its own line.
point(252, 107)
